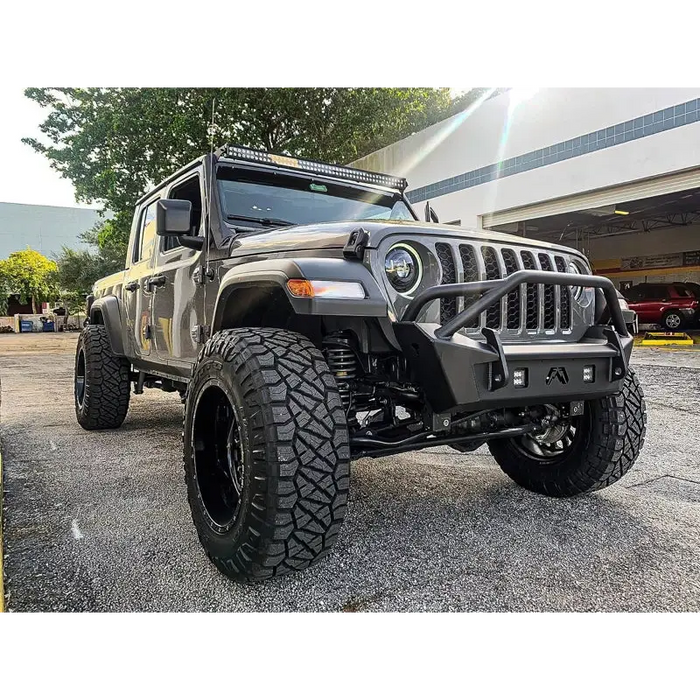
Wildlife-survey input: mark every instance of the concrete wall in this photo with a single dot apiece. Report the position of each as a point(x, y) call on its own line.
point(506, 127)
point(44, 229)
point(607, 253)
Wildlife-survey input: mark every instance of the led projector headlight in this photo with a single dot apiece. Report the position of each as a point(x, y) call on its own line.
point(403, 268)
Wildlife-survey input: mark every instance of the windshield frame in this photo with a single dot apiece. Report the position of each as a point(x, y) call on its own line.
point(306, 177)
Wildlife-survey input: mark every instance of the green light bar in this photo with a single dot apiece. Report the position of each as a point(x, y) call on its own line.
point(313, 166)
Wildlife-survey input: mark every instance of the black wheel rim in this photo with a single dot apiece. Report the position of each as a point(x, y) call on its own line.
point(80, 379)
point(218, 456)
point(551, 447)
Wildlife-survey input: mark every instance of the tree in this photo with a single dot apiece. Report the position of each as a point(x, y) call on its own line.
point(78, 270)
point(116, 143)
point(30, 275)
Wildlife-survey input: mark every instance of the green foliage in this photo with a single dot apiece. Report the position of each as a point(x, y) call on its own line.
point(30, 275)
point(114, 144)
point(78, 270)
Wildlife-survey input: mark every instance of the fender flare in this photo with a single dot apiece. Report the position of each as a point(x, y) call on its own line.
point(109, 308)
point(278, 271)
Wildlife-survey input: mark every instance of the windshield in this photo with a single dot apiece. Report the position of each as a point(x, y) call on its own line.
point(278, 199)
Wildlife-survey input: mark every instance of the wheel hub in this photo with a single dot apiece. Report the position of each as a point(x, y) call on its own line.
point(552, 434)
point(218, 456)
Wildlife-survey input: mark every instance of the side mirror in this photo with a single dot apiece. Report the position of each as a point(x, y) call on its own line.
point(173, 218)
point(430, 214)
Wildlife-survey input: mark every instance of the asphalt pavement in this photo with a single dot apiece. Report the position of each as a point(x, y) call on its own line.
point(99, 520)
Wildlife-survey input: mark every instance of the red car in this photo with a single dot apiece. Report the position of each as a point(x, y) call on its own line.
point(673, 306)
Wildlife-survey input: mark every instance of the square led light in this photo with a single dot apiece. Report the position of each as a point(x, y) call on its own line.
point(520, 377)
point(589, 374)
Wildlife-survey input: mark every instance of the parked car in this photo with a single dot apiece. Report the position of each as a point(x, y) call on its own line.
point(631, 319)
point(672, 306)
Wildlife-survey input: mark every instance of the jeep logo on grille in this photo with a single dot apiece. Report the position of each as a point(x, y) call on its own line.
point(557, 373)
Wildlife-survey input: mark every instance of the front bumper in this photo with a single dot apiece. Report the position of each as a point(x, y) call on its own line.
point(459, 373)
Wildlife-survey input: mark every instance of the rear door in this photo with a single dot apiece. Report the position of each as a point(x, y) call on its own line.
point(137, 292)
point(178, 296)
point(648, 308)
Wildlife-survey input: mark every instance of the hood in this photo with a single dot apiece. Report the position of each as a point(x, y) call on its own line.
point(335, 235)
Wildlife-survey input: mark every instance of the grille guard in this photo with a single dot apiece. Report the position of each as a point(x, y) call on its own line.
point(494, 290)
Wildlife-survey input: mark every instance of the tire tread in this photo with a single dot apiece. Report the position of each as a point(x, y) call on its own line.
point(107, 382)
point(298, 428)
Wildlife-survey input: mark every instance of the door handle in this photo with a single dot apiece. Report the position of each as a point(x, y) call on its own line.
point(132, 286)
point(155, 281)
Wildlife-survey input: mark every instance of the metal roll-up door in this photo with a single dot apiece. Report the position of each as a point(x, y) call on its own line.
point(640, 189)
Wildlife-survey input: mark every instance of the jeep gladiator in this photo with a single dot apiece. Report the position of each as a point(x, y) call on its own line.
point(306, 317)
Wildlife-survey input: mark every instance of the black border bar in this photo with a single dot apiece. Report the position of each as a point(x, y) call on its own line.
point(494, 290)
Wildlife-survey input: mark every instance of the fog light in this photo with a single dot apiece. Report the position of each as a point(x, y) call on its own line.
point(519, 377)
point(589, 374)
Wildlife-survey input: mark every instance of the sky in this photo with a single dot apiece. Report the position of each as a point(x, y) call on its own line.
point(26, 176)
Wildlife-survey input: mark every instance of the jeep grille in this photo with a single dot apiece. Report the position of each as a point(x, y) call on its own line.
point(533, 309)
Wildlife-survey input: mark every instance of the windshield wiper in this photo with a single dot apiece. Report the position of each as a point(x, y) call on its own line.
point(266, 221)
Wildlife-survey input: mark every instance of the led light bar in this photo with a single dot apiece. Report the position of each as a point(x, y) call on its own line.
point(314, 166)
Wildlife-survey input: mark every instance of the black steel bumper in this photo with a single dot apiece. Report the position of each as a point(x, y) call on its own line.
point(457, 372)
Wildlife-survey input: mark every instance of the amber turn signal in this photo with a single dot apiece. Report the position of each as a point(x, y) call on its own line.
point(300, 288)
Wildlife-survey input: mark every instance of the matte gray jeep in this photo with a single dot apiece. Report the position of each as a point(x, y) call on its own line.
point(307, 317)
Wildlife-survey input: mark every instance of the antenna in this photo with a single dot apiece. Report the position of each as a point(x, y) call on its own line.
point(212, 129)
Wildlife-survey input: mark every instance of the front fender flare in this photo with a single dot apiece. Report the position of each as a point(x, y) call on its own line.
point(109, 308)
point(278, 270)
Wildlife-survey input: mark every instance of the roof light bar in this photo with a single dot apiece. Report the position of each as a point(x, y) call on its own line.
point(313, 166)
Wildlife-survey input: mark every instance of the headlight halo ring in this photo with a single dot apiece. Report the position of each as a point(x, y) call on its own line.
point(416, 257)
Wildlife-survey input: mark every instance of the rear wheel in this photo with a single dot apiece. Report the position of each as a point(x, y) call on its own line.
point(672, 321)
point(101, 381)
point(266, 450)
point(584, 454)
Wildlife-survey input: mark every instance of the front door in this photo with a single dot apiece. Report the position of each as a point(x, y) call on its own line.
point(178, 297)
point(137, 290)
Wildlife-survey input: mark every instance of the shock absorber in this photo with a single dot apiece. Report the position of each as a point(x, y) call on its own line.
point(342, 362)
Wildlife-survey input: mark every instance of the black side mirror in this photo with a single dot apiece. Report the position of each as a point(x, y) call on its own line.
point(430, 214)
point(173, 218)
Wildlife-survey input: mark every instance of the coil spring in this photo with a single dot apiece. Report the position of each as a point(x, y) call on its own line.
point(342, 362)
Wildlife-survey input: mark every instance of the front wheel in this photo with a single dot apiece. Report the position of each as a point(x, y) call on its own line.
point(672, 321)
point(266, 451)
point(586, 454)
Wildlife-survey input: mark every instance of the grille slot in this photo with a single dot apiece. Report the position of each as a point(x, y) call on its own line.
point(513, 300)
point(529, 309)
point(471, 274)
point(564, 297)
point(530, 293)
point(549, 315)
point(493, 272)
point(448, 307)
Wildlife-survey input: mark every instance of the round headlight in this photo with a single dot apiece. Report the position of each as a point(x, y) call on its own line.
point(574, 269)
point(403, 268)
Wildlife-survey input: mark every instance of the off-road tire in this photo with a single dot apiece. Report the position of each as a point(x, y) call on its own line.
point(677, 327)
point(105, 401)
point(613, 438)
point(295, 452)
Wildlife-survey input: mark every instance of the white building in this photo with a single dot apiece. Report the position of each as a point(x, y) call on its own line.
point(613, 172)
point(41, 228)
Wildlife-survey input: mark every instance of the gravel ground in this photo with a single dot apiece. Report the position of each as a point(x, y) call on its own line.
point(99, 521)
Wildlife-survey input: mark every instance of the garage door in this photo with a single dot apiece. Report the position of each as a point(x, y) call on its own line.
point(597, 198)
